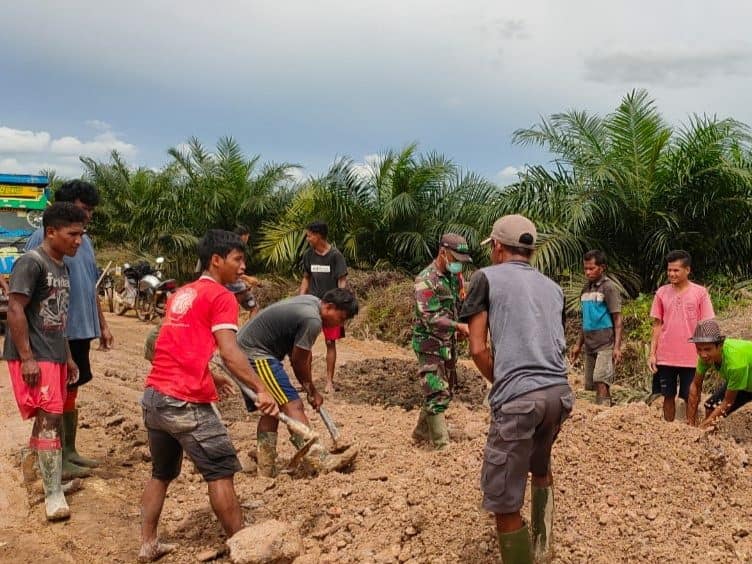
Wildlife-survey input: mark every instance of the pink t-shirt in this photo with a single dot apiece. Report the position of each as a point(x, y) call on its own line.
point(185, 344)
point(680, 313)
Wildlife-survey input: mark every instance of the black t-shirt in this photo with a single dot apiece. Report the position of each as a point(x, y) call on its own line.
point(324, 271)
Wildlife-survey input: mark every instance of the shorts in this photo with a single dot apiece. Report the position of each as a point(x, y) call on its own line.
point(276, 381)
point(742, 397)
point(520, 439)
point(599, 367)
point(174, 426)
point(48, 395)
point(668, 376)
point(79, 349)
point(334, 333)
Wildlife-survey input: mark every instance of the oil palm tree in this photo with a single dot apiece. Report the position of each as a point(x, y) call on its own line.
point(631, 185)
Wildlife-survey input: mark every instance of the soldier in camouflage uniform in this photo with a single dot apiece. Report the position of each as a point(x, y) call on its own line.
point(438, 293)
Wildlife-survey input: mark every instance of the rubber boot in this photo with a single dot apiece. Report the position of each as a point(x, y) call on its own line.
point(515, 547)
point(70, 429)
point(437, 430)
point(542, 522)
point(420, 433)
point(266, 454)
point(51, 468)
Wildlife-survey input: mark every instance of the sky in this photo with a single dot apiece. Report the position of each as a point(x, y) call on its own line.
point(306, 82)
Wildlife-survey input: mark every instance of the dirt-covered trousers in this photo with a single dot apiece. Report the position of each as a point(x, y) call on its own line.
point(439, 377)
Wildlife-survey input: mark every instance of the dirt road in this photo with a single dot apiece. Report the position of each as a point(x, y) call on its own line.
point(629, 487)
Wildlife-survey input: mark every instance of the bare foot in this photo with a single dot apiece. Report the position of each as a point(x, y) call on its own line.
point(329, 389)
point(154, 551)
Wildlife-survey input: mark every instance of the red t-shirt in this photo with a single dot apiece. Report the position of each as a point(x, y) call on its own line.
point(185, 344)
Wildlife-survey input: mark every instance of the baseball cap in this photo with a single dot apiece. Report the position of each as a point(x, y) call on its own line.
point(707, 331)
point(457, 245)
point(514, 231)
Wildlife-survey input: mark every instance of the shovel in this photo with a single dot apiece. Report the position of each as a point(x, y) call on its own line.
point(340, 445)
point(296, 427)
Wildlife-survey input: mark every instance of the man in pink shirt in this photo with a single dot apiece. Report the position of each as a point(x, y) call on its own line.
point(677, 309)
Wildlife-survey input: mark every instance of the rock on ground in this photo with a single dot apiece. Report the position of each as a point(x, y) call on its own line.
point(269, 542)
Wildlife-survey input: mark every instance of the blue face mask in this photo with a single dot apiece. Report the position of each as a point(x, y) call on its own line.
point(455, 267)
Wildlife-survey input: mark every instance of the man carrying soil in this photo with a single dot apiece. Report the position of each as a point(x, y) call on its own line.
point(677, 309)
point(530, 398)
point(600, 303)
point(180, 389)
point(438, 295)
point(324, 269)
point(732, 360)
point(86, 321)
point(290, 328)
point(39, 359)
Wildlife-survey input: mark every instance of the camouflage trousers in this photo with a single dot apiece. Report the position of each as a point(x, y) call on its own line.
point(439, 378)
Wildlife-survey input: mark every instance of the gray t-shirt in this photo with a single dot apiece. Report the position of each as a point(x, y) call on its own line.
point(83, 317)
point(324, 271)
point(525, 318)
point(45, 281)
point(294, 322)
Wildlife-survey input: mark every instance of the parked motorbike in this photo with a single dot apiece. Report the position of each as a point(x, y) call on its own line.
point(155, 291)
point(144, 290)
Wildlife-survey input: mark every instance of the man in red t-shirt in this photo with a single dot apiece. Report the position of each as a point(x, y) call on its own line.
point(180, 389)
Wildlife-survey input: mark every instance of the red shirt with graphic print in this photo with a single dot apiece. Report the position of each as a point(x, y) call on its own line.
point(186, 343)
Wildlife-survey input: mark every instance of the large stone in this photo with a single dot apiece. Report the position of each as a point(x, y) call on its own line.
point(269, 542)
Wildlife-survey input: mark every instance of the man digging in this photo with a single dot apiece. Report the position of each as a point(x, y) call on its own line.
point(290, 328)
point(180, 389)
point(39, 360)
point(438, 291)
point(732, 359)
point(530, 398)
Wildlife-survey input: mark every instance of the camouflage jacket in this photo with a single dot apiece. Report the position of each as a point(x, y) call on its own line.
point(438, 298)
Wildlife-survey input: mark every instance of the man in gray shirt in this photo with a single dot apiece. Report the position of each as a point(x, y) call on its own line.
point(290, 328)
point(530, 398)
point(86, 321)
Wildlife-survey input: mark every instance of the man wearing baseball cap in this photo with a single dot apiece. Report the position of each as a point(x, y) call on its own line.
point(438, 293)
point(732, 359)
point(530, 398)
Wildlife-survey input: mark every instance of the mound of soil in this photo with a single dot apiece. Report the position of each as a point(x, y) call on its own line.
point(395, 382)
point(629, 487)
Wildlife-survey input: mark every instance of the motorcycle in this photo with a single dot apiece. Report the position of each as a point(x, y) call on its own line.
point(155, 291)
point(144, 290)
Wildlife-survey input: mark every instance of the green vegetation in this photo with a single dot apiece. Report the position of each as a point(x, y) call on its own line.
point(626, 182)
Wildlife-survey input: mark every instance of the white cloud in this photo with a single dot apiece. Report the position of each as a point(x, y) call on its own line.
point(296, 173)
point(509, 174)
point(37, 150)
point(100, 147)
point(23, 141)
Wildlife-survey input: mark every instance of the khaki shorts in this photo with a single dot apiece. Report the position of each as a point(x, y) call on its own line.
point(520, 439)
point(174, 426)
point(599, 367)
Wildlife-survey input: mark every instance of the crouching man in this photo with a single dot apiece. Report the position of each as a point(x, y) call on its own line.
point(290, 328)
point(732, 359)
point(530, 397)
point(180, 389)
